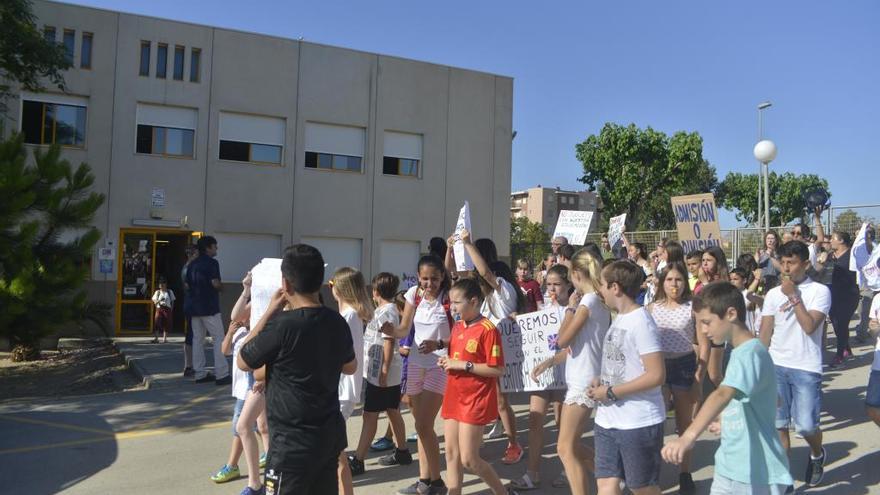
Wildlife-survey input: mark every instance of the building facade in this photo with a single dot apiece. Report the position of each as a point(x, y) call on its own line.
point(263, 142)
point(543, 204)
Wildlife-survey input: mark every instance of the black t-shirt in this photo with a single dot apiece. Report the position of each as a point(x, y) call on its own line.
point(844, 288)
point(304, 351)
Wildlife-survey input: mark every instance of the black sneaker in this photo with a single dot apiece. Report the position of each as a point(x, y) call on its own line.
point(398, 458)
point(686, 484)
point(356, 466)
point(437, 489)
point(188, 372)
point(205, 379)
point(815, 469)
point(226, 380)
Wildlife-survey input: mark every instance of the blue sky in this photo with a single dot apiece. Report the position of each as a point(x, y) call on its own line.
point(679, 65)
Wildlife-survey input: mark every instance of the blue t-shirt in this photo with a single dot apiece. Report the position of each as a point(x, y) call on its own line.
point(203, 297)
point(750, 450)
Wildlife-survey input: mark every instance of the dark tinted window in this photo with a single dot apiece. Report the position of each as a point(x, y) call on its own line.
point(234, 150)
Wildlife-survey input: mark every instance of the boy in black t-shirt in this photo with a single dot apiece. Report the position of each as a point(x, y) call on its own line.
point(301, 353)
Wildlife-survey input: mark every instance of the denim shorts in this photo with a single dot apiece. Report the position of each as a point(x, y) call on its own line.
point(872, 395)
point(680, 371)
point(799, 399)
point(727, 486)
point(239, 405)
point(631, 455)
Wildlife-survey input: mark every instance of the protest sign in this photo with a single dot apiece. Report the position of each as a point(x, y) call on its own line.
point(697, 220)
point(527, 342)
point(865, 264)
point(265, 281)
point(615, 229)
point(463, 261)
point(574, 226)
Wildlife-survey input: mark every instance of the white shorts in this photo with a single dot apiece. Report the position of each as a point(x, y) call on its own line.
point(578, 397)
point(346, 407)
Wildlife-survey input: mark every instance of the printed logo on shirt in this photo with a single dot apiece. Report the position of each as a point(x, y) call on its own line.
point(471, 346)
point(496, 350)
point(456, 356)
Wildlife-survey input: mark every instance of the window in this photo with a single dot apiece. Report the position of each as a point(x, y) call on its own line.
point(194, 58)
point(251, 138)
point(166, 131)
point(85, 56)
point(53, 123)
point(161, 60)
point(403, 154)
point(69, 42)
point(145, 58)
point(334, 147)
point(49, 34)
point(178, 63)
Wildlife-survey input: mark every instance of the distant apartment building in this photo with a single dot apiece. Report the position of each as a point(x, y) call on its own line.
point(543, 204)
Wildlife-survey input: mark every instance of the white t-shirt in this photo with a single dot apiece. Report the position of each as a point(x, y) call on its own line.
point(164, 298)
point(874, 313)
point(501, 303)
point(431, 323)
point(350, 385)
point(790, 346)
point(753, 317)
point(584, 360)
point(631, 336)
point(374, 346)
point(242, 381)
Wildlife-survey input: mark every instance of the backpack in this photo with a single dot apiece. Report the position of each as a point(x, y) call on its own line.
point(444, 300)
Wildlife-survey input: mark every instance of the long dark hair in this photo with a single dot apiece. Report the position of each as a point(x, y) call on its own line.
point(435, 263)
point(501, 270)
point(721, 270)
point(685, 292)
point(674, 252)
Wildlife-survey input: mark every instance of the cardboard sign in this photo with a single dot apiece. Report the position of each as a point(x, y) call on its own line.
point(265, 281)
point(574, 225)
point(615, 229)
point(527, 342)
point(463, 261)
point(697, 220)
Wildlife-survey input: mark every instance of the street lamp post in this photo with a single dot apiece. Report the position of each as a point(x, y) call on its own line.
point(761, 107)
point(765, 152)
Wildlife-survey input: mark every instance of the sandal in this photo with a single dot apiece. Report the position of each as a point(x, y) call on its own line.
point(524, 483)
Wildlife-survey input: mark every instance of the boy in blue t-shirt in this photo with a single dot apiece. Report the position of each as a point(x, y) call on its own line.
point(750, 458)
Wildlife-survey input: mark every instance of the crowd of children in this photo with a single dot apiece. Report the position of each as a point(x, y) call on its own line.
point(639, 337)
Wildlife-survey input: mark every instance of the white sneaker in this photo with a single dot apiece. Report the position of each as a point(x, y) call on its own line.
point(417, 488)
point(497, 431)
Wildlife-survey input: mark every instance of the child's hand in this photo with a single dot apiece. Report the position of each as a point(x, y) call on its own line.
point(259, 387)
point(247, 281)
point(443, 362)
point(465, 236)
point(277, 302)
point(758, 273)
point(428, 346)
point(450, 242)
point(403, 351)
point(539, 370)
point(674, 451)
point(387, 328)
point(715, 427)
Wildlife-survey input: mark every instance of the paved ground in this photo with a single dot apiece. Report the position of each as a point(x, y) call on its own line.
point(170, 437)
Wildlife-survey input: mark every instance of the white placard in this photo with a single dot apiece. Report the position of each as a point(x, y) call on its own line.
point(157, 197)
point(574, 225)
point(463, 261)
point(615, 229)
point(527, 342)
point(865, 264)
point(265, 281)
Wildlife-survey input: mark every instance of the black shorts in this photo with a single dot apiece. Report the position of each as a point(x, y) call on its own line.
point(378, 399)
point(681, 371)
point(319, 480)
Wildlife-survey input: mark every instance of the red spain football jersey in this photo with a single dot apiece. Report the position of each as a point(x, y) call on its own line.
point(471, 398)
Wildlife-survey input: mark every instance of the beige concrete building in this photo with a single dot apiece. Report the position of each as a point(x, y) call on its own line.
point(543, 204)
point(264, 142)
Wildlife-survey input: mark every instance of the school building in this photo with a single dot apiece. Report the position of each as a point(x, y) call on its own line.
point(263, 142)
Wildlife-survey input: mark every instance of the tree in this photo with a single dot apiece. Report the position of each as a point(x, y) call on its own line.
point(636, 171)
point(26, 56)
point(849, 221)
point(41, 276)
point(524, 231)
point(739, 192)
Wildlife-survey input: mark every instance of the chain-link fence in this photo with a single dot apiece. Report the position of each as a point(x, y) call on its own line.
point(850, 218)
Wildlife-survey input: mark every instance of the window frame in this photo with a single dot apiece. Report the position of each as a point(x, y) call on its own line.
point(71, 53)
point(43, 109)
point(149, 60)
point(332, 161)
point(250, 157)
point(164, 74)
point(195, 54)
point(163, 154)
point(82, 50)
point(418, 174)
point(47, 30)
point(178, 50)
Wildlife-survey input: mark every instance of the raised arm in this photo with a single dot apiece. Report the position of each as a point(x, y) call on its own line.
point(817, 225)
point(479, 263)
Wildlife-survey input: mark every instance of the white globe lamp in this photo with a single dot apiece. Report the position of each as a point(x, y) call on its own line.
point(765, 151)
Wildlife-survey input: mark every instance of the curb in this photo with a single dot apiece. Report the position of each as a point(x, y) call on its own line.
point(135, 367)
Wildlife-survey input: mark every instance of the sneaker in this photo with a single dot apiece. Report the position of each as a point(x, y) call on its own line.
point(837, 363)
point(789, 490)
point(381, 445)
point(847, 354)
point(815, 469)
point(250, 491)
point(686, 484)
point(497, 431)
point(513, 454)
point(263, 460)
point(226, 380)
point(205, 379)
point(417, 488)
point(398, 458)
point(413, 438)
point(188, 372)
point(356, 466)
point(226, 473)
point(437, 490)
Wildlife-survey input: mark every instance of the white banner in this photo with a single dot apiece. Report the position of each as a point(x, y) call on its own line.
point(527, 342)
point(574, 225)
point(865, 264)
point(463, 261)
point(615, 229)
point(265, 281)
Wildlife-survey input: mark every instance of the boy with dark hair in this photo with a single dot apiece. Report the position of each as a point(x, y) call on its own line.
point(792, 319)
point(630, 415)
point(693, 261)
point(750, 458)
point(301, 353)
point(565, 254)
point(203, 281)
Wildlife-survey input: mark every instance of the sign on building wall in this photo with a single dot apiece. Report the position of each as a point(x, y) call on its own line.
point(157, 198)
point(574, 225)
point(697, 221)
point(106, 259)
point(615, 229)
point(463, 261)
point(528, 341)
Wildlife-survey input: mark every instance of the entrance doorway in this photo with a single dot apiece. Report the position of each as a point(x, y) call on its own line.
point(145, 257)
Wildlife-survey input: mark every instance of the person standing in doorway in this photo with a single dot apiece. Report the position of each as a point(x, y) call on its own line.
point(203, 280)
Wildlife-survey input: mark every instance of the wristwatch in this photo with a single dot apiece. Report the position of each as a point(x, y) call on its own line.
point(610, 393)
point(439, 343)
point(469, 367)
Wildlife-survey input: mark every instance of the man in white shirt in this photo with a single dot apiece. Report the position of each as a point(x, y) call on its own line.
point(792, 320)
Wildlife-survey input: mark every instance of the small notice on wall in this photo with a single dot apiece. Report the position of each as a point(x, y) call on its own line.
point(157, 198)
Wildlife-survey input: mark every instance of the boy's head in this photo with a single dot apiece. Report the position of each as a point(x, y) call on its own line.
point(719, 310)
point(621, 281)
point(385, 285)
point(566, 252)
point(207, 245)
point(693, 261)
point(738, 278)
point(523, 269)
point(302, 269)
point(794, 256)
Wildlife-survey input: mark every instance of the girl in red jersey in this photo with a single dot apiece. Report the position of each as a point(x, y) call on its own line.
point(474, 363)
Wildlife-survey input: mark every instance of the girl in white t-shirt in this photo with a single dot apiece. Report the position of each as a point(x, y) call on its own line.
point(356, 307)
point(583, 330)
point(427, 309)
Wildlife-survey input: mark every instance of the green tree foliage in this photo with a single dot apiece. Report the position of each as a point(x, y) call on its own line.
point(739, 193)
point(41, 276)
point(636, 171)
point(849, 221)
point(524, 231)
point(26, 57)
